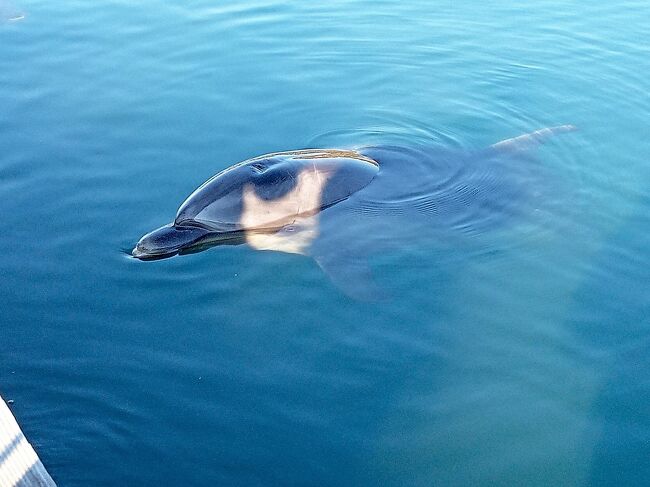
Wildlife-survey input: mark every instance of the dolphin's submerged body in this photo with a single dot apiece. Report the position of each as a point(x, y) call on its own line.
point(337, 206)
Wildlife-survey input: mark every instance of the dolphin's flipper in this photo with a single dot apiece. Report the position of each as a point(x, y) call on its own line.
point(352, 276)
point(531, 140)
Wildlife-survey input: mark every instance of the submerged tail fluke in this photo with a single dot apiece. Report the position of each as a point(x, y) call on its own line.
point(532, 139)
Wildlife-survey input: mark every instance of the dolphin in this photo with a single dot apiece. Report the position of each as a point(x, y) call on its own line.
point(339, 205)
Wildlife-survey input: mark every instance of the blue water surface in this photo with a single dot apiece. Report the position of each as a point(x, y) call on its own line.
point(513, 355)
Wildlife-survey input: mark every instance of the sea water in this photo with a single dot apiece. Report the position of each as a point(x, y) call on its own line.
point(517, 355)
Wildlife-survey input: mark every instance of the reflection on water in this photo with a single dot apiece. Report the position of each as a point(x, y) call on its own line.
point(9, 12)
point(513, 348)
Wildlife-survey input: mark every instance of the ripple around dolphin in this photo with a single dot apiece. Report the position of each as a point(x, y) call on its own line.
point(387, 127)
point(438, 189)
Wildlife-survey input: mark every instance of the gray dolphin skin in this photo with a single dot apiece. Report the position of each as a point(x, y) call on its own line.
point(338, 205)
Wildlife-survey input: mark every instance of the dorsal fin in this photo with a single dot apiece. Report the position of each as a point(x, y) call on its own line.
point(532, 139)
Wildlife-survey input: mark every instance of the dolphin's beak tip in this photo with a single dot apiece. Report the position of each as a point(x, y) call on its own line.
point(137, 253)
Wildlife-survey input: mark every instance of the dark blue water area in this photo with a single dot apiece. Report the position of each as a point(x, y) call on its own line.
point(511, 343)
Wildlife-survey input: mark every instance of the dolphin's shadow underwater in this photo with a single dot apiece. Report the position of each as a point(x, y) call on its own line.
point(339, 206)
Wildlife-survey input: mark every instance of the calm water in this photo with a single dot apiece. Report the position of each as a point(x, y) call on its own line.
point(518, 354)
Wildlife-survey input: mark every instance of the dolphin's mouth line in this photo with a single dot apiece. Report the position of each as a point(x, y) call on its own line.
point(140, 255)
point(217, 238)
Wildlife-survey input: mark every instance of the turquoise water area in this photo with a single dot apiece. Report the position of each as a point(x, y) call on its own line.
point(508, 354)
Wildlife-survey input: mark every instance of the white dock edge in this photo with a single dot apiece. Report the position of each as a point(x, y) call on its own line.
point(19, 464)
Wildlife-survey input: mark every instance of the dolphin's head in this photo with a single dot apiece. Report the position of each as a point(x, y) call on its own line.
point(210, 214)
point(258, 197)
